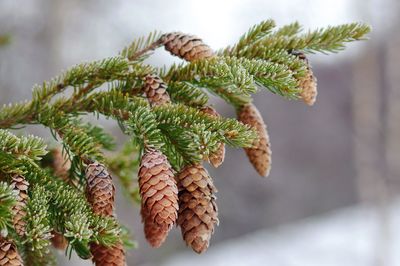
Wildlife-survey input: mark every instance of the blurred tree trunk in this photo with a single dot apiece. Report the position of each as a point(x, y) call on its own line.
point(369, 114)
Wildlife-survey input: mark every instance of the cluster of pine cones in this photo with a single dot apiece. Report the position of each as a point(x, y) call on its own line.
point(189, 198)
point(186, 198)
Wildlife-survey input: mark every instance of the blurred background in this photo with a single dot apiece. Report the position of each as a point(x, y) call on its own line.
point(332, 196)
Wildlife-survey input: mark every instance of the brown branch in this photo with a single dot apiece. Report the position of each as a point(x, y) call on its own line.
point(151, 47)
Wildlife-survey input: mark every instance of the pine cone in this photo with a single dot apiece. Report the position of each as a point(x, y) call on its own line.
point(260, 154)
point(59, 241)
point(156, 90)
point(197, 208)
point(100, 189)
point(8, 254)
point(217, 158)
point(20, 185)
point(61, 164)
point(308, 83)
point(185, 46)
point(108, 256)
point(159, 195)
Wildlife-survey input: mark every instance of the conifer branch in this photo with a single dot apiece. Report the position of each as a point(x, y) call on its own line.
point(163, 113)
point(38, 230)
point(138, 49)
point(255, 34)
point(289, 30)
point(331, 39)
point(7, 201)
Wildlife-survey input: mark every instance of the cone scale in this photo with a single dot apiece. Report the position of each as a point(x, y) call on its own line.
point(155, 90)
point(9, 255)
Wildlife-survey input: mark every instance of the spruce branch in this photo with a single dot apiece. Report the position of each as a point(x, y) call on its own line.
point(38, 230)
point(210, 72)
point(139, 49)
point(254, 34)
point(232, 131)
point(163, 113)
point(187, 93)
point(278, 78)
point(66, 201)
point(289, 30)
point(331, 39)
point(7, 201)
point(23, 147)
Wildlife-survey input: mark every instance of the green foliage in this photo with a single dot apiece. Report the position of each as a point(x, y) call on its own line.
point(214, 72)
point(7, 201)
point(330, 39)
point(288, 30)
point(30, 147)
point(98, 71)
point(187, 93)
point(138, 50)
point(38, 230)
point(255, 34)
point(112, 87)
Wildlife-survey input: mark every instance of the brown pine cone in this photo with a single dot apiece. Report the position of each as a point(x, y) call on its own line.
point(186, 46)
point(260, 154)
point(108, 256)
point(61, 164)
point(156, 90)
point(308, 83)
point(217, 158)
point(59, 241)
point(159, 195)
point(20, 185)
point(198, 211)
point(9, 254)
point(100, 189)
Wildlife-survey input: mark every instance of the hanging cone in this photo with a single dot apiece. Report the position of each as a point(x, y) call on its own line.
point(20, 186)
point(159, 195)
point(260, 154)
point(100, 189)
point(197, 208)
point(185, 46)
point(216, 158)
point(111, 256)
point(8, 254)
point(61, 164)
point(308, 83)
point(156, 90)
point(59, 241)
point(100, 194)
